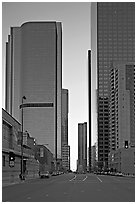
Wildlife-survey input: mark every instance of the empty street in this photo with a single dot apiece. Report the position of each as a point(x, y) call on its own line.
point(72, 188)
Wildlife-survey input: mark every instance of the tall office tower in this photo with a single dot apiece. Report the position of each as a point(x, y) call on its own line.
point(65, 111)
point(85, 145)
point(65, 149)
point(82, 147)
point(122, 105)
point(89, 105)
point(93, 157)
point(34, 70)
point(115, 30)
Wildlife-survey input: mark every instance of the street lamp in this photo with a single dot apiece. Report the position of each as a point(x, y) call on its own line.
point(22, 173)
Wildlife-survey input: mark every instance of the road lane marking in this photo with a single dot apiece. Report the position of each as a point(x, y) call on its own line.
point(99, 179)
point(84, 178)
point(73, 178)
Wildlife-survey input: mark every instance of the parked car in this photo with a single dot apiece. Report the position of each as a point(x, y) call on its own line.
point(54, 173)
point(45, 175)
point(119, 174)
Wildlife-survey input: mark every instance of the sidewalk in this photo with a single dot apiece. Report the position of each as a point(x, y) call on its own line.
point(13, 181)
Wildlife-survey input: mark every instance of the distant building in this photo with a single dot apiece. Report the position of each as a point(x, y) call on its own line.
point(94, 157)
point(64, 114)
point(66, 157)
point(34, 70)
point(90, 108)
point(82, 147)
point(65, 148)
point(45, 158)
point(113, 40)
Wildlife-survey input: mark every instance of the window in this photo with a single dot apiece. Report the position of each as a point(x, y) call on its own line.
point(3, 160)
point(7, 133)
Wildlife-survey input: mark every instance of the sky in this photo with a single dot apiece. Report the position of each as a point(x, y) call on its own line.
point(76, 31)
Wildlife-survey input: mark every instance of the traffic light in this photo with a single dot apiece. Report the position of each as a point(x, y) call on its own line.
point(11, 159)
point(11, 156)
point(126, 144)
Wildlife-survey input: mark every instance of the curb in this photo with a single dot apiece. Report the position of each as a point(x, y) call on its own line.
point(18, 182)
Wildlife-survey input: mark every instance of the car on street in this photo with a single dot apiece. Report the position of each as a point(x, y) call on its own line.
point(45, 175)
point(54, 173)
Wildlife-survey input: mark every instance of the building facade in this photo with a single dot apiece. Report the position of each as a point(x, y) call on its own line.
point(122, 106)
point(45, 158)
point(89, 108)
point(65, 148)
point(34, 70)
point(64, 113)
point(82, 147)
point(66, 157)
point(94, 157)
point(11, 152)
point(115, 30)
point(122, 160)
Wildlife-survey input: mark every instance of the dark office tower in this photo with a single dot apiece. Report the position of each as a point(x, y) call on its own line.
point(89, 111)
point(82, 147)
point(122, 105)
point(130, 87)
point(85, 145)
point(115, 42)
point(65, 149)
point(34, 70)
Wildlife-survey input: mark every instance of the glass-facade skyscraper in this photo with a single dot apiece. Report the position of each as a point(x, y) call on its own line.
point(34, 70)
point(115, 42)
point(82, 147)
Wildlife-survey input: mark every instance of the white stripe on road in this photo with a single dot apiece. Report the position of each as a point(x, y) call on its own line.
point(85, 178)
point(73, 178)
point(99, 179)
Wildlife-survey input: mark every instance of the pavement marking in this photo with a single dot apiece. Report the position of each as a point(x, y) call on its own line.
point(73, 178)
point(85, 178)
point(99, 179)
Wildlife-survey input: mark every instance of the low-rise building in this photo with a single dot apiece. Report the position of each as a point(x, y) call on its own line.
point(45, 158)
point(11, 152)
point(122, 160)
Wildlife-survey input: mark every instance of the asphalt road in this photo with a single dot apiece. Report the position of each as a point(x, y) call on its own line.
point(72, 188)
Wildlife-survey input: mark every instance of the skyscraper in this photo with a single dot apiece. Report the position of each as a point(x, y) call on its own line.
point(89, 105)
point(34, 70)
point(115, 30)
point(65, 110)
point(122, 106)
point(82, 147)
point(65, 149)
